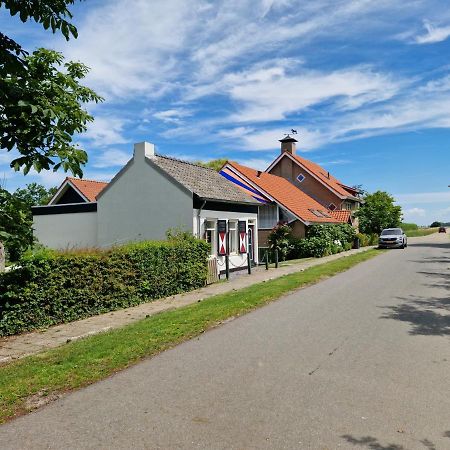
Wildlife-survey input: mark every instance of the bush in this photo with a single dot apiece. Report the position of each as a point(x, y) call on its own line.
point(315, 247)
point(323, 240)
point(363, 239)
point(343, 232)
point(52, 287)
point(280, 239)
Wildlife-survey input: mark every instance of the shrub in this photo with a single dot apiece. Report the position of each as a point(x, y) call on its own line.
point(280, 239)
point(310, 247)
point(363, 239)
point(343, 232)
point(54, 287)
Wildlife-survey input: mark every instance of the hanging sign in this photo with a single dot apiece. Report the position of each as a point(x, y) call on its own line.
point(242, 227)
point(222, 237)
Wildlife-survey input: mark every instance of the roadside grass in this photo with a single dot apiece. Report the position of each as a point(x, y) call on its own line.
point(30, 382)
point(421, 232)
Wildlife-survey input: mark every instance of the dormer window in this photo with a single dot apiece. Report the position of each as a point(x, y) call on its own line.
point(331, 206)
point(300, 177)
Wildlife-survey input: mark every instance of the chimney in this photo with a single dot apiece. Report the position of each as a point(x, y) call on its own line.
point(258, 174)
point(288, 144)
point(144, 150)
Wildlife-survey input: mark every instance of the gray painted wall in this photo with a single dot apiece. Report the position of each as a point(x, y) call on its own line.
point(141, 203)
point(66, 231)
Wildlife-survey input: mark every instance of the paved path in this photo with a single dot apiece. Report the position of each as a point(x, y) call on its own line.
point(358, 361)
point(15, 347)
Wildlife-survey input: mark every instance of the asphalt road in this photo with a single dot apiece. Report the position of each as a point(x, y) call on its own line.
point(361, 360)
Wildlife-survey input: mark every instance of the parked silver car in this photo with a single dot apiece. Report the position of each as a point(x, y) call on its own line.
point(393, 238)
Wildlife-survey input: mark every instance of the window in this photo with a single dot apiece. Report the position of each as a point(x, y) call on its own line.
point(268, 216)
point(331, 206)
point(210, 235)
point(300, 177)
point(233, 237)
point(319, 213)
point(349, 205)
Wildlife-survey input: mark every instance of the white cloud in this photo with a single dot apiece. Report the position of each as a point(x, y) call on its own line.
point(111, 158)
point(133, 48)
point(272, 93)
point(423, 198)
point(414, 212)
point(105, 131)
point(434, 34)
point(175, 116)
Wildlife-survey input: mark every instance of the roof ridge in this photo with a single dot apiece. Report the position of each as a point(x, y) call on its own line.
point(85, 179)
point(184, 161)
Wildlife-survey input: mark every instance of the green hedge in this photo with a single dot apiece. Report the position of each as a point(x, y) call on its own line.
point(51, 288)
point(323, 240)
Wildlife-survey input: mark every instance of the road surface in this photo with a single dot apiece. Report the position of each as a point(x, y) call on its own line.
point(361, 360)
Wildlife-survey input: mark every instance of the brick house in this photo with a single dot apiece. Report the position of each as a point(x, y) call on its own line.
point(313, 179)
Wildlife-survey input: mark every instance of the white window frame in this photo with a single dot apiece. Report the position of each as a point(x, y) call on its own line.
point(301, 175)
point(233, 237)
point(213, 230)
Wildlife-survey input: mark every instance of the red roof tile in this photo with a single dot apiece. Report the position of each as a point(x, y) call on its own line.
point(342, 215)
point(286, 194)
point(89, 188)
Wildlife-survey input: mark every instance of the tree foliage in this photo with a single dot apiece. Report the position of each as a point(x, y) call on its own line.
point(435, 224)
point(378, 212)
point(41, 98)
point(215, 164)
point(280, 239)
point(16, 219)
point(16, 222)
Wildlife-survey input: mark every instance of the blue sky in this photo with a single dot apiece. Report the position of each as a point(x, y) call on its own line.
point(366, 84)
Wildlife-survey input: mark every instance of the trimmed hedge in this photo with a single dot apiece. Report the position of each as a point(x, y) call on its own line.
point(52, 288)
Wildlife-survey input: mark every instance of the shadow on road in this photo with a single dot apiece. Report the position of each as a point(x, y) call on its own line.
point(374, 444)
point(430, 244)
point(371, 442)
point(427, 316)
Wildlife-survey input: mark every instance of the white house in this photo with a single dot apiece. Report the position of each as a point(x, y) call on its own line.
point(150, 195)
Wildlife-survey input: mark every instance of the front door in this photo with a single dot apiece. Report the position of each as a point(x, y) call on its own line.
point(251, 247)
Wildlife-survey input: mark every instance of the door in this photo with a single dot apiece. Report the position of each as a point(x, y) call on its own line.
point(251, 247)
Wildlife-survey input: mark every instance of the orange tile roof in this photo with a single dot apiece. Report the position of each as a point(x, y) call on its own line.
point(342, 215)
point(89, 188)
point(286, 194)
point(323, 175)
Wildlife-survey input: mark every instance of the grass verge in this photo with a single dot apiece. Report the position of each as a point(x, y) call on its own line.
point(421, 232)
point(27, 383)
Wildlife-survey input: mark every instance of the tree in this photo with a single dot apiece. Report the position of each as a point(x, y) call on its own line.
point(15, 210)
point(215, 164)
point(435, 224)
point(378, 212)
point(41, 105)
point(35, 194)
point(16, 225)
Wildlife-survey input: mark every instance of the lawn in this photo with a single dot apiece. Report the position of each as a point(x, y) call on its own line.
point(30, 381)
point(421, 232)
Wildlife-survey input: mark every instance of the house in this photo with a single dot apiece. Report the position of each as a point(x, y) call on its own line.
point(280, 200)
point(313, 179)
point(150, 195)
